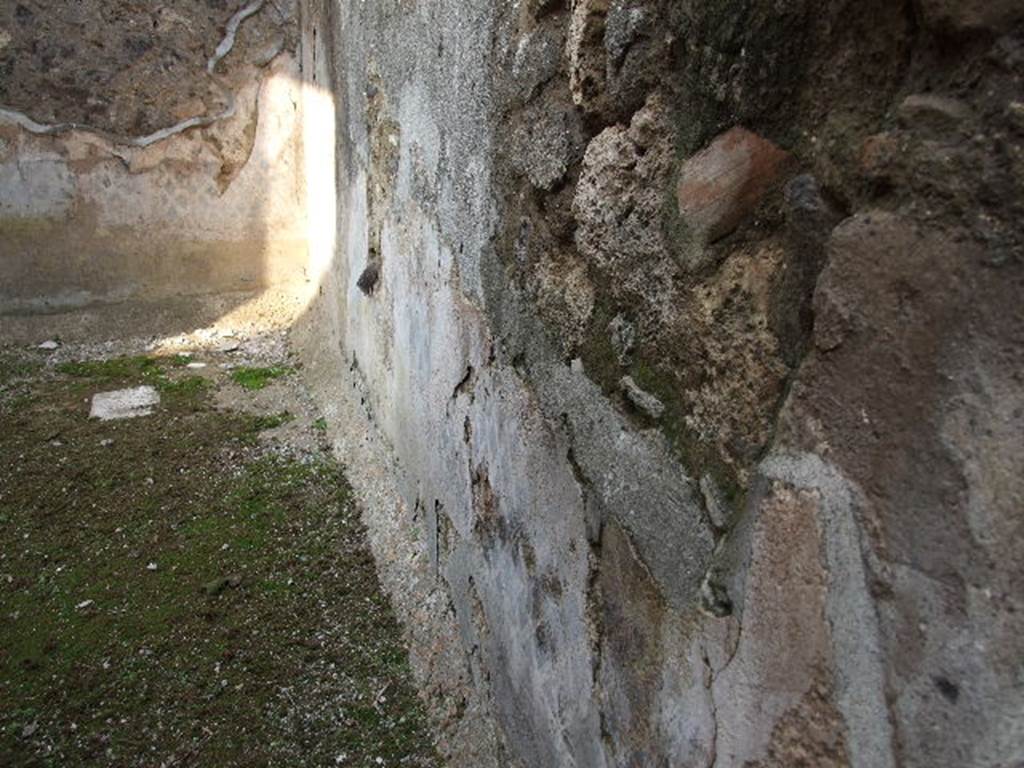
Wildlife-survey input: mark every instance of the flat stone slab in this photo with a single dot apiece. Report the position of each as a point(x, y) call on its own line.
point(124, 403)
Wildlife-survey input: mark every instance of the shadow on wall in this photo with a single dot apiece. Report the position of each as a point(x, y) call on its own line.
point(178, 231)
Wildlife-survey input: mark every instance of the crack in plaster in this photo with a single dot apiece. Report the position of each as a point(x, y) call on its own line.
point(712, 678)
point(709, 686)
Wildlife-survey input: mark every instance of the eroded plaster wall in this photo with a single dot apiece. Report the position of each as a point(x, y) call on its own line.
point(148, 151)
point(690, 337)
point(676, 347)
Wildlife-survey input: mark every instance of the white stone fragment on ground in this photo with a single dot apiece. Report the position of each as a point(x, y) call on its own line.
point(196, 366)
point(84, 604)
point(151, 567)
point(49, 345)
point(124, 403)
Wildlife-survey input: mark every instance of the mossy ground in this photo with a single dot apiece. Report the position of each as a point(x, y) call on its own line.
point(117, 649)
point(258, 378)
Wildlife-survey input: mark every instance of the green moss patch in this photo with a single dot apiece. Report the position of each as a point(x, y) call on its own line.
point(15, 366)
point(161, 372)
point(116, 369)
point(189, 386)
point(258, 378)
point(271, 421)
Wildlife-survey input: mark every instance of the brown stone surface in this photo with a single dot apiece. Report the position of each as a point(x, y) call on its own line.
point(722, 184)
point(915, 390)
point(811, 734)
point(768, 680)
point(888, 343)
point(642, 700)
point(992, 16)
point(906, 317)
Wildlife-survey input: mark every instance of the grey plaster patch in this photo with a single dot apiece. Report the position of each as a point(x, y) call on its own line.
point(35, 183)
point(636, 481)
point(859, 672)
point(124, 404)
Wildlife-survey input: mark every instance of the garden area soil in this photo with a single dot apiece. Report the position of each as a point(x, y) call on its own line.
point(192, 587)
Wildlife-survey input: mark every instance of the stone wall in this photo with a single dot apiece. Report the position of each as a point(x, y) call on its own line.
point(674, 347)
point(692, 334)
point(147, 151)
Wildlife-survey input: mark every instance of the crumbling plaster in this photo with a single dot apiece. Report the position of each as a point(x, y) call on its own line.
point(213, 203)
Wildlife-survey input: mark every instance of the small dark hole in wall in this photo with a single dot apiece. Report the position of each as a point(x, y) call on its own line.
point(541, 633)
point(368, 280)
point(715, 599)
point(948, 689)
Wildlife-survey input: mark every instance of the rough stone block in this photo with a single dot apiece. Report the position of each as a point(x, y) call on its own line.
point(722, 184)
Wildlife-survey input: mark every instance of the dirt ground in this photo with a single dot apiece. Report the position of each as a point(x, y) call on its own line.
point(191, 587)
